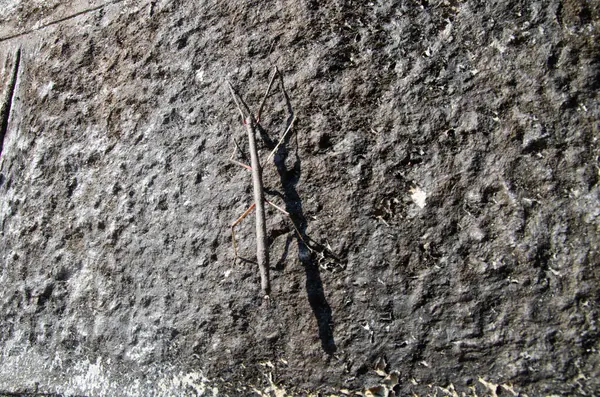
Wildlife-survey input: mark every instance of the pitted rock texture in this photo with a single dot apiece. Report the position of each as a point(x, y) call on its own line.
point(443, 166)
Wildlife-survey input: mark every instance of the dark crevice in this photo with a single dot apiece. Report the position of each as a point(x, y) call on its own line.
point(8, 99)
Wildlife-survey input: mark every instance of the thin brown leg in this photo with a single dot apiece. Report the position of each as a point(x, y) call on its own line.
point(241, 164)
point(233, 225)
point(262, 104)
point(281, 140)
point(291, 220)
point(234, 161)
point(235, 99)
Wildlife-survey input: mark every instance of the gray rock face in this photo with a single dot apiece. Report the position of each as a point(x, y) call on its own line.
point(443, 170)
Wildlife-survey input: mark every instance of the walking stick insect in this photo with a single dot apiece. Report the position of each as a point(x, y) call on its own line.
point(252, 122)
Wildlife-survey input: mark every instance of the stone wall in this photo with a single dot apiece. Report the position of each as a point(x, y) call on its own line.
point(442, 170)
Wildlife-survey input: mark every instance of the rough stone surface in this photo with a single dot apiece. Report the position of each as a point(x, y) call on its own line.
point(444, 166)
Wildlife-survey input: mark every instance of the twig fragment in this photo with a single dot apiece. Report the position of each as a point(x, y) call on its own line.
point(262, 254)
